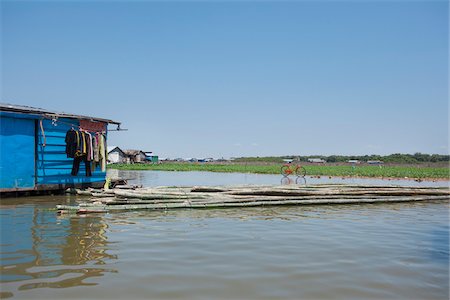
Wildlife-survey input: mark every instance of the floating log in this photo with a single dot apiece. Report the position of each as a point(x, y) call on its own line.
point(151, 195)
point(219, 204)
point(244, 196)
point(127, 187)
point(83, 192)
point(101, 195)
point(202, 189)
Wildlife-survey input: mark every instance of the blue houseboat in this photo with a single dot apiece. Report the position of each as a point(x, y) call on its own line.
point(33, 155)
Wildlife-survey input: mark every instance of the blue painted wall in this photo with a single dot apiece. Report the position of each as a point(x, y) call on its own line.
point(53, 166)
point(26, 163)
point(17, 153)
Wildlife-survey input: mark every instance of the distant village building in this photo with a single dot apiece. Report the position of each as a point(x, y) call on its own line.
point(205, 160)
point(130, 156)
point(116, 155)
point(151, 158)
point(353, 161)
point(134, 156)
point(316, 160)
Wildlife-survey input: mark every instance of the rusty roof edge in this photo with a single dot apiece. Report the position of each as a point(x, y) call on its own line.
point(48, 113)
point(64, 115)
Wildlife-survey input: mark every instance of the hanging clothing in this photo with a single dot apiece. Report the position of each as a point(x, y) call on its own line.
point(71, 143)
point(80, 144)
point(102, 152)
point(85, 147)
point(88, 141)
point(91, 146)
point(76, 165)
point(95, 148)
point(84, 144)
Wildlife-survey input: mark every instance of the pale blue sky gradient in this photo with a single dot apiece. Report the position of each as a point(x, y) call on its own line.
point(213, 79)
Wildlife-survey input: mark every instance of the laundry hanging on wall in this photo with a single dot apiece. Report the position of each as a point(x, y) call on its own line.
point(88, 147)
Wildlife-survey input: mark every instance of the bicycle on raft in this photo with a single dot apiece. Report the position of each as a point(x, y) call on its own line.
point(294, 169)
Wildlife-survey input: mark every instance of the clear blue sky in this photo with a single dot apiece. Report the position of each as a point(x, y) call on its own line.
point(231, 78)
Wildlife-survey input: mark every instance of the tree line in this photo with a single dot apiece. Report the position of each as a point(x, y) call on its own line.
point(400, 158)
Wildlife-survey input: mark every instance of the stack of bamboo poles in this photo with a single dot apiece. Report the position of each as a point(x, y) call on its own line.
point(243, 196)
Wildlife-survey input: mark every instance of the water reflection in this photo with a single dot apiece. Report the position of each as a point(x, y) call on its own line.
point(41, 249)
point(397, 250)
point(166, 178)
point(440, 244)
point(293, 213)
point(296, 180)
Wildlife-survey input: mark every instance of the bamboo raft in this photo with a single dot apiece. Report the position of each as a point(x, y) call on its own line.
point(132, 198)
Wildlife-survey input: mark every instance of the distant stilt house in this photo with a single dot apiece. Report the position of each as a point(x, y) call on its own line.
point(116, 155)
point(316, 160)
point(353, 161)
point(134, 156)
point(34, 152)
point(151, 158)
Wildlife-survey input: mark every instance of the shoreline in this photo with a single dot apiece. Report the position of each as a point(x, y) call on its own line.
point(426, 179)
point(143, 167)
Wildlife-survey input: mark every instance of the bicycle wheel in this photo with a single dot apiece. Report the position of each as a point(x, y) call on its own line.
point(286, 171)
point(300, 180)
point(285, 180)
point(300, 171)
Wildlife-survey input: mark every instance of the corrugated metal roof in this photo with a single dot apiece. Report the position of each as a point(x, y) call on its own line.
point(39, 111)
point(111, 148)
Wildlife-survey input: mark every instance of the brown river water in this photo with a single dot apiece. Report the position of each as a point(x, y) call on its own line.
point(367, 251)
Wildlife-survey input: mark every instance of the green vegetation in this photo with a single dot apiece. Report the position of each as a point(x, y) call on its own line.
point(396, 158)
point(314, 170)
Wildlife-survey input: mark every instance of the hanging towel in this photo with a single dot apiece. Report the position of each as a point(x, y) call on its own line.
point(95, 148)
point(88, 146)
point(102, 152)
